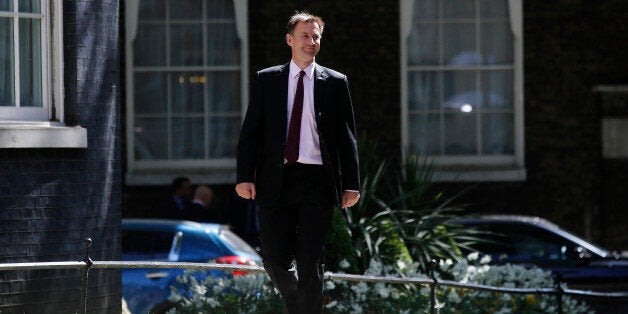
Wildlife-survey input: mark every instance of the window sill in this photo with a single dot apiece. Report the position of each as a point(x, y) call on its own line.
point(480, 175)
point(224, 176)
point(42, 136)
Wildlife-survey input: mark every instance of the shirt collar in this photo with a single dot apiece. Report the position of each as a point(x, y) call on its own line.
point(294, 70)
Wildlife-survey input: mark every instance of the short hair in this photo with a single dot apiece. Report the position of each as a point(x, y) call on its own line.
point(304, 17)
point(178, 182)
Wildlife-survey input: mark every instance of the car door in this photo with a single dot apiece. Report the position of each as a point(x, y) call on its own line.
point(145, 288)
point(529, 244)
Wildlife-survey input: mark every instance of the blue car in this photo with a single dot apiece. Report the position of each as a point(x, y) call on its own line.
point(147, 290)
point(529, 240)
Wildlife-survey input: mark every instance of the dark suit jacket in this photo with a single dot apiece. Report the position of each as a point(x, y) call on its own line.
point(260, 153)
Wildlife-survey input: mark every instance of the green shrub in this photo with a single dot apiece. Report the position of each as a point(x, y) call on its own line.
point(339, 246)
point(254, 293)
point(392, 248)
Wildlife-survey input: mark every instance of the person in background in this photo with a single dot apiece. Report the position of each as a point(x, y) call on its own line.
point(200, 209)
point(179, 201)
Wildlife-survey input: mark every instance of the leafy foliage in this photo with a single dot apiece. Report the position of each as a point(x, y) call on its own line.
point(339, 246)
point(423, 218)
point(401, 202)
point(254, 294)
point(392, 248)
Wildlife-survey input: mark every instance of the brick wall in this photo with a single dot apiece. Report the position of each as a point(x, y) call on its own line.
point(51, 199)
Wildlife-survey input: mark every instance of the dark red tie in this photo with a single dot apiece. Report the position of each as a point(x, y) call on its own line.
point(294, 131)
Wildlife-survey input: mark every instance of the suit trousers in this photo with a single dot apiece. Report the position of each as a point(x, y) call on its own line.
point(295, 229)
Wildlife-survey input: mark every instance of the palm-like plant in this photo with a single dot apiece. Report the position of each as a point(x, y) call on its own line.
point(423, 218)
point(361, 221)
point(420, 218)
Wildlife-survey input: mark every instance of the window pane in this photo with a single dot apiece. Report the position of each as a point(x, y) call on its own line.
point(460, 134)
point(223, 44)
point(497, 43)
point(150, 93)
point(30, 63)
point(220, 9)
point(149, 48)
point(186, 9)
point(424, 90)
point(152, 10)
point(222, 92)
point(459, 91)
point(6, 5)
point(7, 65)
point(425, 9)
point(187, 92)
point(151, 138)
point(186, 44)
point(29, 6)
point(458, 9)
point(497, 89)
point(494, 9)
point(497, 134)
point(183, 114)
point(459, 47)
point(423, 48)
point(223, 136)
point(187, 138)
point(424, 134)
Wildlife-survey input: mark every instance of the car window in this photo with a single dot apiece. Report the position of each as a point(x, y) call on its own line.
point(235, 242)
point(519, 242)
point(198, 248)
point(146, 245)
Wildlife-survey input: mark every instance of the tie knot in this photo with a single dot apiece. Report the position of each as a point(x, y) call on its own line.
point(301, 74)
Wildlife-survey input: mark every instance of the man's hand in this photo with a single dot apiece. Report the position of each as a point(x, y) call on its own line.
point(246, 190)
point(349, 198)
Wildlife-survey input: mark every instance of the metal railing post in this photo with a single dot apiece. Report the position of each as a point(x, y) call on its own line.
point(88, 265)
point(433, 285)
point(559, 288)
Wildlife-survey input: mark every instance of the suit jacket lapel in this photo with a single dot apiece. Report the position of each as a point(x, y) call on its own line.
point(320, 75)
point(282, 77)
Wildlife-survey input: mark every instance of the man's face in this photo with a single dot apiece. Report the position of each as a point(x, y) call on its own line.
point(185, 190)
point(305, 42)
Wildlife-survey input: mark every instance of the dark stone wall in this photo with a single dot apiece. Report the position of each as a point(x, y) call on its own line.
point(51, 199)
point(570, 47)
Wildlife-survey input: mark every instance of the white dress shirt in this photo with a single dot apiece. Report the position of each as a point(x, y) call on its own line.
point(309, 145)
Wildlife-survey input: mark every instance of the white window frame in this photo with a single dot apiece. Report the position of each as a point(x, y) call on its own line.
point(472, 168)
point(160, 172)
point(22, 127)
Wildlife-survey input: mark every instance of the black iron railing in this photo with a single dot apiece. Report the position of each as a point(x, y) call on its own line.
point(87, 264)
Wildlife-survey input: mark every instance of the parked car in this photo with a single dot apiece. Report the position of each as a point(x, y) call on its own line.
point(536, 241)
point(147, 290)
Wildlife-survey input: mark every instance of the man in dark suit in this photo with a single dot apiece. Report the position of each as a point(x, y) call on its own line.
point(297, 157)
point(178, 203)
point(200, 209)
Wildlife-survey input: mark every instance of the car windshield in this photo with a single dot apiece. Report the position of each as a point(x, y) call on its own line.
point(524, 240)
point(585, 244)
point(235, 242)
